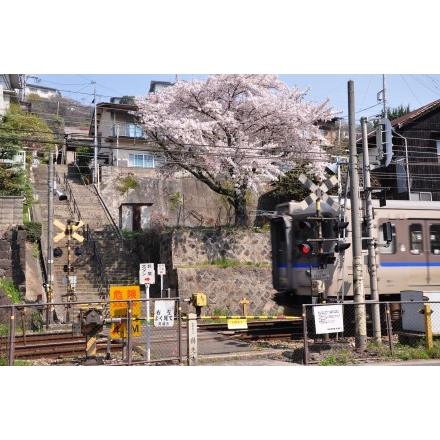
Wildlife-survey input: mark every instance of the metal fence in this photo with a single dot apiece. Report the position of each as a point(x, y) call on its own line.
point(101, 328)
point(370, 329)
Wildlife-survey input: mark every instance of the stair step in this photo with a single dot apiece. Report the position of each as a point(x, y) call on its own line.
point(120, 265)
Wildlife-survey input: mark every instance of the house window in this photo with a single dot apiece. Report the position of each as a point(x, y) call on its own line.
point(437, 144)
point(134, 131)
point(127, 130)
point(140, 161)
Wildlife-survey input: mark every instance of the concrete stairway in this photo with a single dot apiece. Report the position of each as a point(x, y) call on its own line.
point(105, 260)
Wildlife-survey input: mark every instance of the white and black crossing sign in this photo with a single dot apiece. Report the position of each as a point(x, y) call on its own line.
point(318, 191)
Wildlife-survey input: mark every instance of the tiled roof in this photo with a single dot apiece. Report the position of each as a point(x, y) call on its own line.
point(409, 117)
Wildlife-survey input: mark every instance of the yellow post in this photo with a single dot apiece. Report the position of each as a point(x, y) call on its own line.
point(244, 302)
point(428, 325)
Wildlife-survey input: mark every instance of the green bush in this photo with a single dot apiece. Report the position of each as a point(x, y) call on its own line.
point(34, 230)
point(11, 290)
point(126, 183)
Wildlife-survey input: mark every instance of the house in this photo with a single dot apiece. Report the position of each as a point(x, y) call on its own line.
point(41, 91)
point(10, 85)
point(414, 170)
point(119, 138)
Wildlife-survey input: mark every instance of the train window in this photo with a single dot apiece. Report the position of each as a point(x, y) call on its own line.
point(434, 239)
point(384, 247)
point(416, 238)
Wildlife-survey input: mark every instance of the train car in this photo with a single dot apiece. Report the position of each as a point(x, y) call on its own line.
point(311, 257)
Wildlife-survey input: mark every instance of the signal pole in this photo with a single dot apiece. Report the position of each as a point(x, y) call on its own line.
point(95, 140)
point(372, 268)
point(49, 281)
point(358, 285)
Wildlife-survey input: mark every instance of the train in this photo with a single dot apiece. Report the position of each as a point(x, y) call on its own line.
point(312, 250)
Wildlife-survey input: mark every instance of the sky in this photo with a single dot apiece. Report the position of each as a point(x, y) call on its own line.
point(413, 90)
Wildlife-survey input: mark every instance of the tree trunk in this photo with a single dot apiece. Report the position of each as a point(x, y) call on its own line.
point(241, 214)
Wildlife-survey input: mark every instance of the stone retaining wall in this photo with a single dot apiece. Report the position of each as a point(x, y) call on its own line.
point(182, 250)
point(226, 287)
point(13, 257)
point(11, 210)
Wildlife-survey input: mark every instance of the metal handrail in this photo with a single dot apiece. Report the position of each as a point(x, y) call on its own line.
point(103, 284)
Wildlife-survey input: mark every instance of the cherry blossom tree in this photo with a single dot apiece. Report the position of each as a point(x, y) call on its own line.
point(233, 132)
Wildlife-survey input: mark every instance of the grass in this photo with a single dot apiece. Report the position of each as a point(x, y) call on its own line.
point(382, 352)
point(229, 262)
point(11, 290)
point(4, 363)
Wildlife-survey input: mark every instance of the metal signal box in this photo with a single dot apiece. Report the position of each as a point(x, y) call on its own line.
point(93, 316)
point(199, 300)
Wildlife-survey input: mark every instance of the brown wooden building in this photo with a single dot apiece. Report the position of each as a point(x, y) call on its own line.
point(414, 171)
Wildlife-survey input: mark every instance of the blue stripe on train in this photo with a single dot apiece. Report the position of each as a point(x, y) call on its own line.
point(407, 264)
point(396, 264)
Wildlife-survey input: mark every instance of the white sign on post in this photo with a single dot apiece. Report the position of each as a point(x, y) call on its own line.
point(146, 273)
point(161, 269)
point(163, 313)
point(328, 319)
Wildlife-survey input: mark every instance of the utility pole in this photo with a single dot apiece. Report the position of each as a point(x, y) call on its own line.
point(382, 96)
point(49, 281)
point(358, 286)
point(95, 141)
point(370, 232)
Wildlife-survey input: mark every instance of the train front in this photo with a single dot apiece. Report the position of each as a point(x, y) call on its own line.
point(308, 254)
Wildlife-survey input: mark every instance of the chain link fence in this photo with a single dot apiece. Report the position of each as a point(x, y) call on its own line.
point(97, 331)
point(369, 330)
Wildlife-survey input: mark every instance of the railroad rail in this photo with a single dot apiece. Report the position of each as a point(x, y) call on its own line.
point(64, 345)
point(260, 330)
point(58, 345)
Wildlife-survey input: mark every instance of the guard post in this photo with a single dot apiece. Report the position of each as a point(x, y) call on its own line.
point(91, 322)
point(427, 312)
point(192, 339)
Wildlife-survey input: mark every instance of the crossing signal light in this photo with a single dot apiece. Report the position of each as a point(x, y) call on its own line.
point(326, 258)
point(57, 252)
point(60, 195)
point(305, 249)
point(384, 142)
point(307, 226)
point(341, 246)
point(339, 227)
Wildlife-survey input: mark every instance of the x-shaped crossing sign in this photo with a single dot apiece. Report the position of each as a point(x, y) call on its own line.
point(68, 230)
point(318, 191)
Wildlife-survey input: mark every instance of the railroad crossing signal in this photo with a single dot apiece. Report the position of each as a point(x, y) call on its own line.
point(69, 230)
point(318, 191)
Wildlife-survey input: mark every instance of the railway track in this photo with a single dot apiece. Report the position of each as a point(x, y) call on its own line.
point(58, 345)
point(68, 345)
point(261, 330)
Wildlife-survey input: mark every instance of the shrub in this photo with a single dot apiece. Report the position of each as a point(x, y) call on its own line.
point(33, 231)
point(11, 290)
